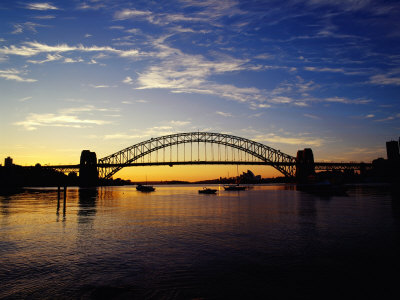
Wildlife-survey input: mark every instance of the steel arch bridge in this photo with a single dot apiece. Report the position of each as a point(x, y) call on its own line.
point(254, 153)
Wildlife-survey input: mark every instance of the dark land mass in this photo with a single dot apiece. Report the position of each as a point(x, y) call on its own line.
point(14, 177)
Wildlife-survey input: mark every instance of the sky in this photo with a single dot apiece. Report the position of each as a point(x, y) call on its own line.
point(106, 74)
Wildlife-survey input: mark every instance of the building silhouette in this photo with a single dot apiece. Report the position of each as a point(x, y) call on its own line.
point(8, 162)
point(392, 150)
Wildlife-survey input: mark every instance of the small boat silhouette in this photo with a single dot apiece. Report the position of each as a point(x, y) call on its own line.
point(207, 191)
point(145, 188)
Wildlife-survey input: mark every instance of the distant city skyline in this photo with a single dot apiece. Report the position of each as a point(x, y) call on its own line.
point(103, 75)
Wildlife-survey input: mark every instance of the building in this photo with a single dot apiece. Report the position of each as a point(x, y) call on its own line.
point(8, 162)
point(392, 150)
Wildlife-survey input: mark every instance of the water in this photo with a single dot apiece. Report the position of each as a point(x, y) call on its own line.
point(267, 242)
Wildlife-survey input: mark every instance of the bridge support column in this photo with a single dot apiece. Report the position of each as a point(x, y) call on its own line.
point(88, 174)
point(305, 168)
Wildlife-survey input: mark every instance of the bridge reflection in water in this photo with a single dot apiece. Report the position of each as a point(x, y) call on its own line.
point(202, 148)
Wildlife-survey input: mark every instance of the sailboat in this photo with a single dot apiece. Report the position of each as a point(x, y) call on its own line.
point(235, 187)
point(145, 188)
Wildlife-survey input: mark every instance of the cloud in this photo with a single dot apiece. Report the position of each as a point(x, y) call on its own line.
point(347, 101)
point(130, 13)
point(375, 7)
point(333, 70)
point(224, 114)
point(86, 108)
point(312, 116)
point(25, 99)
point(41, 6)
point(68, 117)
point(49, 57)
point(86, 6)
point(102, 86)
point(68, 60)
point(47, 17)
point(128, 80)
point(13, 74)
point(146, 133)
point(292, 140)
point(35, 48)
point(179, 123)
point(389, 118)
point(155, 131)
point(121, 136)
point(33, 121)
point(391, 78)
point(185, 73)
point(22, 27)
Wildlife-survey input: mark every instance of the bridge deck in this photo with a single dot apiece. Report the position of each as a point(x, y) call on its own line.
point(318, 165)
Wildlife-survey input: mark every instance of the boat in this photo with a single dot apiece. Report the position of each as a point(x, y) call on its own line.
point(145, 188)
point(207, 191)
point(235, 187)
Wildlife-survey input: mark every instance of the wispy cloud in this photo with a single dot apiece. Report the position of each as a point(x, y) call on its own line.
point(25, 99)
point(49, 57)
point(390, 78)
point(312, 116)
point(35, 48)
point(301, 141)
point(47, 17)
point(347, 101)
point(86, 108)
point(130, 13)
point(33, 121)
point(102, 86)
point(69, 60)
point(389, 118)
point(179, 123)
point(334, 70)
point(185, 73)
point(169, 127)
point(224, 114)
point(91, 6)
point(41, 6)
point(13, 74)
point(22, 27)
point(146, 133)
point(128, 80)
point(67, 117)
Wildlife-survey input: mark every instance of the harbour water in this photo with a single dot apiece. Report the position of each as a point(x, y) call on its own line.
point(268, 242)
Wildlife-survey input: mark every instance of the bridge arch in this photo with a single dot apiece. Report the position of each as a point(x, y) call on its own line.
point(128, 156)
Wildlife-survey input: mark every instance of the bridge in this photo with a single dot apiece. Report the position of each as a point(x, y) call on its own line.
point(201, 148)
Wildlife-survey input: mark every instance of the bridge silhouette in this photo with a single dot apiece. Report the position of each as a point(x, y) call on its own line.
point(202, 148)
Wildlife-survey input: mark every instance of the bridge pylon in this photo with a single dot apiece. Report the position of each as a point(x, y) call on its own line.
point(88, 174)
point(305, 166)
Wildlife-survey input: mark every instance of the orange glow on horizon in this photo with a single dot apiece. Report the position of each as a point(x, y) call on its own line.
point(192, 173)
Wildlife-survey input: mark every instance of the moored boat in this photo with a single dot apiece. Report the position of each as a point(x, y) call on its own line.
point(207, 191)
point(235, 187)
point(145, 188)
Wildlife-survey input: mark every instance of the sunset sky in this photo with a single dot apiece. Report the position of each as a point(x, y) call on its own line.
point(106, 74)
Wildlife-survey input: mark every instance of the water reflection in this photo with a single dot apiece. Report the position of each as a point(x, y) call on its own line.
point(87, 204)
point(4, 201)
point(177, 244)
